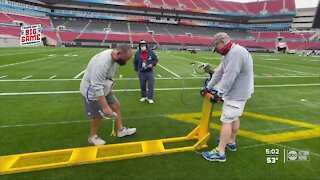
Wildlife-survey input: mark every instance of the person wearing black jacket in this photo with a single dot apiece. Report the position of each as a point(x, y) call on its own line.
point(144, 62)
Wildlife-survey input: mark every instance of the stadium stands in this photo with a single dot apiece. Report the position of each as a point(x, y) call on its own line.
point(138, 27)
point(5, 18)
point(14, 31)
point(118, 38)
point(30, 20)
point(68, 36)
point(165, 39)
point(92, 36)
point(136, 38)
point(119, 26)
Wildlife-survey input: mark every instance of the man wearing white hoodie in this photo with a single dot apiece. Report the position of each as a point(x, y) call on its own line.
point(236, 85)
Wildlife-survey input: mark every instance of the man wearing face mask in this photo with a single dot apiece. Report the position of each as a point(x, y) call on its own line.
point(235, 75)
point(96, 89)
point(144, 62)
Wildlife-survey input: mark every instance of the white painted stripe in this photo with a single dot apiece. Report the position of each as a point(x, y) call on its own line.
point(78, 75)
point(270, 59)
point(296, 149)
point(168, 70)
point(157, 89)
point(279, 74)
point(194, 75)
point(27, 77)
point(34, 60)
point(52, 76)
point(159, 75)
point(162, 78)
point(2, 77)
point(282, 69)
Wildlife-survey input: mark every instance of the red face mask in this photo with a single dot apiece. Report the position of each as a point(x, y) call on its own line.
point(225, 49)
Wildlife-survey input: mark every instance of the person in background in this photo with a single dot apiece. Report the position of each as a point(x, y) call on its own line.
point(144, 62)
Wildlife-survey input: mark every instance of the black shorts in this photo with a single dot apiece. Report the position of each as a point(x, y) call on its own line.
point(92, 107)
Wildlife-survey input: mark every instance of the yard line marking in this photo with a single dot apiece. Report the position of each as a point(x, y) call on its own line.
point(52, 76)
point(78, 75)
point(162, 78)
point(12, 64)
point(159, 75)
point(278, 74)
point(295, 149)
point(2, 77)
point(27, 77)
point(270, 59)
point(135, 90)
point(193, 75)
point(70, 122)
point(283, 69)
point(276, 129)
point(169, 70)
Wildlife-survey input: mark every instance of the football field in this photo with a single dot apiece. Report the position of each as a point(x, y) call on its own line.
point(41, 109)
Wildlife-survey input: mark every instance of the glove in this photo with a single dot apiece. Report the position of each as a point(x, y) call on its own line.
point(203, 91)
point(216, 98)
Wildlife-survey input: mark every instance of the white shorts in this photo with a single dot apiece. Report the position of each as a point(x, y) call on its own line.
point(232, 110)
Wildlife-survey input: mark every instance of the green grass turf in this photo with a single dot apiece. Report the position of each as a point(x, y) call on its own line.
point(30, 123)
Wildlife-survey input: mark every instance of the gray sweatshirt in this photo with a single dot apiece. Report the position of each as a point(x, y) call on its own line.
point(235, 74)
point(97, 79)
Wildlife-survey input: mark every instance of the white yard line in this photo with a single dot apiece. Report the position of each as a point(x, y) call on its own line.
point(296, 149)
point(2, 77)
point(78, 75)
point(52, 76)
point(161, 78)
point(27, 77)
point(283, 69)
point(168, 70)
point(34, 60)
point(159, 75)
point(193, 75)
point(136, 90)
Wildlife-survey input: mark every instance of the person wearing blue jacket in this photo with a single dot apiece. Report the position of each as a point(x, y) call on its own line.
point(144, 62)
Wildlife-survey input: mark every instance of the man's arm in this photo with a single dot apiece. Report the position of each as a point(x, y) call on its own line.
point(231, 72)
point(97, 82)
point(154, 59)
point(135, 62)
point(216, 77)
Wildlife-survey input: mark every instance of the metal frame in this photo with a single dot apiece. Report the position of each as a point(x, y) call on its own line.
point(111, 152)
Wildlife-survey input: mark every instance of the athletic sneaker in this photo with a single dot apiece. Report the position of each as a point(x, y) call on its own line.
point(95, 140)
point(150, 101)
point(126, 132)
point(214, 155)
point(230, 146)
point(143, 99)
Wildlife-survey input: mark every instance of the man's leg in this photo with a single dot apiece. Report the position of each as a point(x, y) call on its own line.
point(95, 122)
point(116, 108)
point(225, 134)
point(143, 84)
point(235, 128)
point(150, 85)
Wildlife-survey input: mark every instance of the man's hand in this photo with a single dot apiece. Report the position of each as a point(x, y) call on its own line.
point(203, 91)
point(150, 66)
point(216, 98)
point(107, 112)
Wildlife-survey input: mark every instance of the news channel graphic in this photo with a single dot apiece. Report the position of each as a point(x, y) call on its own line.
point(275, 155)
point(30, 35)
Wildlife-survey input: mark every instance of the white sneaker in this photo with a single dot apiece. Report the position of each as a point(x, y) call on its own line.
point(150, 101)
point(126, 132)
point(143, 99)
point(95, 140)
